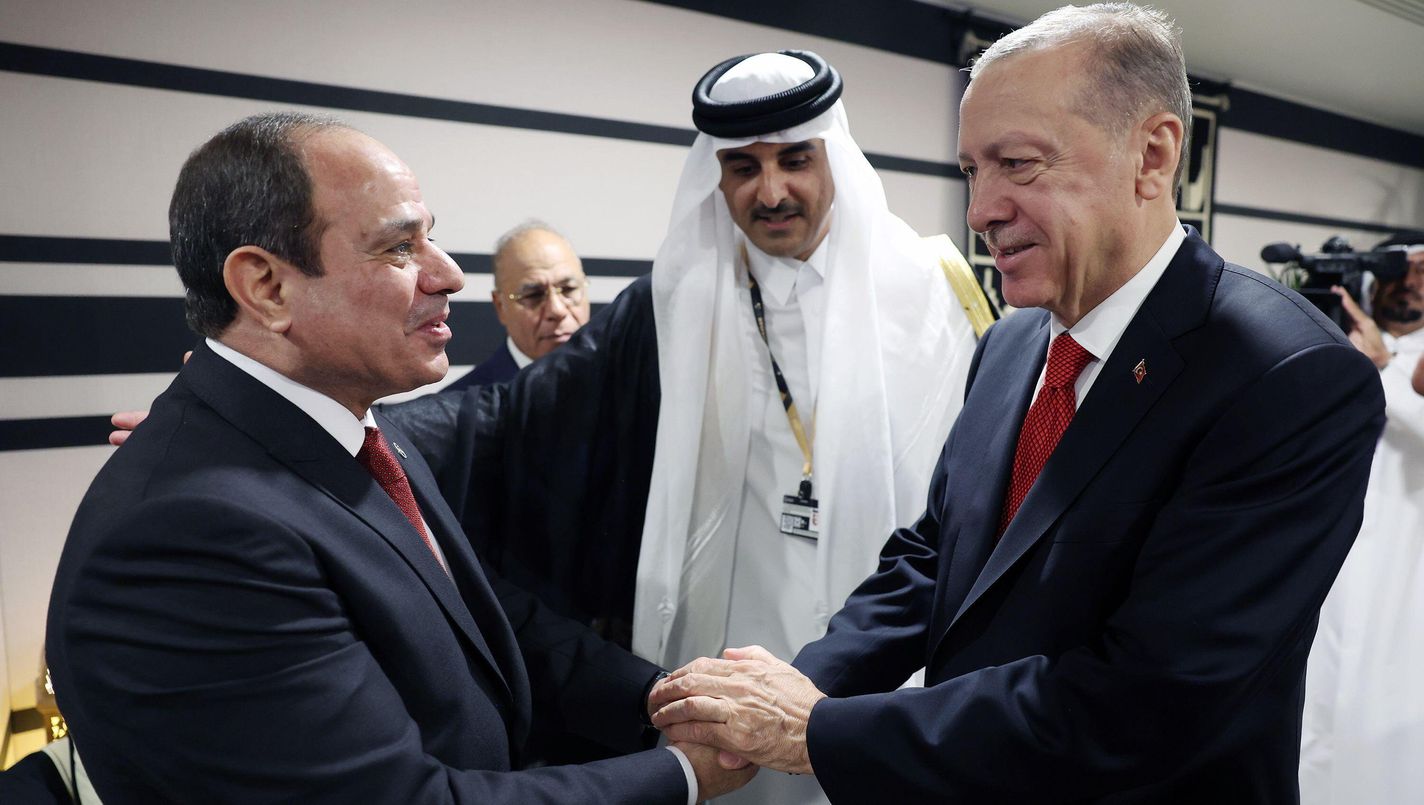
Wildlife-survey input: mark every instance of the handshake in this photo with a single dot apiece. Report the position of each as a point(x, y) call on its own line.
point(733, 715)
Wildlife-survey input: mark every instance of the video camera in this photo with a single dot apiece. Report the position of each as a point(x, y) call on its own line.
point(1336, 264)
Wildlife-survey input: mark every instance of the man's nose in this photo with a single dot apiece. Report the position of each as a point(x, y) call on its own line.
point(988, 206)
point(440, 274)
point(1414, 278)
point(555, 305)
point(771, 187)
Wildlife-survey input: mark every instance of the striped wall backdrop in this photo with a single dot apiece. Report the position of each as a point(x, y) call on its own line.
point(572, 111)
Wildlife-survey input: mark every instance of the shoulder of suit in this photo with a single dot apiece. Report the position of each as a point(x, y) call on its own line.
point(1277, 312)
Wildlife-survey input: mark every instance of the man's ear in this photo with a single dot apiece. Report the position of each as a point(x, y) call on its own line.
point(1161, 144)
point(262, 285)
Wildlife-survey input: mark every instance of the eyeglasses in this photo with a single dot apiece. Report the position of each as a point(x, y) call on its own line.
point(533, 297)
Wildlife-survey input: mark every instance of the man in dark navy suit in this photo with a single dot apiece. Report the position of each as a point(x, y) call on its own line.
point(1157, 472)
point(263, 597)
point(540, 296)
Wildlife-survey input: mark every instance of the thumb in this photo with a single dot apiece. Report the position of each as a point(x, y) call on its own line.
point(749, 653)
point(732, 762)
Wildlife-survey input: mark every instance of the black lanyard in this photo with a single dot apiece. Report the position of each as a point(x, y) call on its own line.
point(759, 311)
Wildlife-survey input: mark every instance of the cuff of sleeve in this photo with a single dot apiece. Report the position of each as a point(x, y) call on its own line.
point(688, 773)
point(643, 716)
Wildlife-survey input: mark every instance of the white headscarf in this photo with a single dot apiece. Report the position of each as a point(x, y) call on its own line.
point(895, 355)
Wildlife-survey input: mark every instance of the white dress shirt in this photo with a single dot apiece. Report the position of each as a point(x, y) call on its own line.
point(520, 359)
point(1099, 330)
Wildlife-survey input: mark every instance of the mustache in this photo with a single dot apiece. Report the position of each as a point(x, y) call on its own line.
point(1399, 313)
point(419, 317)
point(786, 207)
point(999, 241)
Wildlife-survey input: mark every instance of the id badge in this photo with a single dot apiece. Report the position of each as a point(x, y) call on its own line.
point(800, 516)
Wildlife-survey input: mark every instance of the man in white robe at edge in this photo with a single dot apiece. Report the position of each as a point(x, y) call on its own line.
point(874, 347)
point(1363, 729)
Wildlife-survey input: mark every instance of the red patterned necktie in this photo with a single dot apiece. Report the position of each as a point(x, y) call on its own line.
point(375, 455)
point(1047, 418)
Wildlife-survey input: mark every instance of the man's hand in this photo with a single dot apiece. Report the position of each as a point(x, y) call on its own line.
point(1419, 376)
point(1364, 333)
point(125, 421)
point(714, 779)
point(750, 704)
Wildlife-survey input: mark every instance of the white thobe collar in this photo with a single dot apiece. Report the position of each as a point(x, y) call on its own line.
point(332, 416)
point(1409, 342)
point(777, 276)
point(520, 359)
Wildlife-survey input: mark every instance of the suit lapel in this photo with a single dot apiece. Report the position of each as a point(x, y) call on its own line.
point(465, 569)
point(1114, 406)
point(1007, 389)
point(359, 493)
point(309, 451)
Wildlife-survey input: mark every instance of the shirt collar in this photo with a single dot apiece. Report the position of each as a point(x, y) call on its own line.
point(520, 359)
point(331, 415)
point(776, 276)
point(1409, 342)
point(1102, 327)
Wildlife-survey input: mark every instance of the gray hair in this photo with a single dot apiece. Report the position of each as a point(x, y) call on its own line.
point(510, 239)
point(1137, 55)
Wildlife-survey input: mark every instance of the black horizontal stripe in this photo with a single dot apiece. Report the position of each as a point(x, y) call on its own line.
point(95, 335)
point(481, 263)
point(906, 27)
point(109, 251)
point(43, 434)
point(1301, 218)
point(156, 75)
point(1274, 117)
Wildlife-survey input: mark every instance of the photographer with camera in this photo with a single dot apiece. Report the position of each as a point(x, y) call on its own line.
point(1363, 732)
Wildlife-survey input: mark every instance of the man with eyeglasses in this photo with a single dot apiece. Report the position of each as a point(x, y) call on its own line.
point(540, 296)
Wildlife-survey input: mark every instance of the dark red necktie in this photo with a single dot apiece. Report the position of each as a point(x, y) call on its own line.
point(375, 455)
point(1047, 418)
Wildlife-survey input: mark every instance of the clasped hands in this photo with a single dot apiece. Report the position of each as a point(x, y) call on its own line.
point(750, 705)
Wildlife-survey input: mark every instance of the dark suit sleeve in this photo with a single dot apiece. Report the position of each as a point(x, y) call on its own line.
point(580, 682)
point(894, 609)
point(1225, 588)
point(548, 475)
point(229, 668)
point(878, 639)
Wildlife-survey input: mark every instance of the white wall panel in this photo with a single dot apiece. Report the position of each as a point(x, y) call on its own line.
point(39, 493)
point(1274, 174)
point(63, 279)
point(108, 172)
point(83, 395)
point(1239, 239)
point(929, 204)
point(616, 59)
